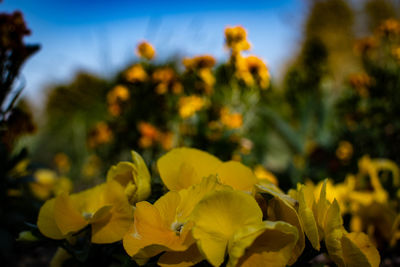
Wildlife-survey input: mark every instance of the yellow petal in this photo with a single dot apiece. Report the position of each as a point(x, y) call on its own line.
point(134, 177)
point(217, 217)
point(268, 241)
point(359, 251)
point(191, 196)
point(143, 179)
point(189, 257)
point(320, 209)
point(67, 215)
point(195, 163)
point(333, 232)
point(307, 218)
point(265, 186)
point(46, 222)
point(112, 221)
point(281, 210)
point(237, 175)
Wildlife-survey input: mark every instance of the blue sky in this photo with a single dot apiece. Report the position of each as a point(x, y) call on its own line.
point(100, 36)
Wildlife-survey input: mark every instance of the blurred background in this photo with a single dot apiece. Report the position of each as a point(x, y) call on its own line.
point(297, 90)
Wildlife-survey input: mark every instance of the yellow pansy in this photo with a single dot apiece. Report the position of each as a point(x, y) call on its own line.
point(217, 217)
point(165, 226)
point(104, 207)
point(262, 173)
point(145, 50)
point(183, 167)
point(134, 177)
point(268, 242)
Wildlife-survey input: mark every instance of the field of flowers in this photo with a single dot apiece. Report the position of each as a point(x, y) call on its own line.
point(193, 161)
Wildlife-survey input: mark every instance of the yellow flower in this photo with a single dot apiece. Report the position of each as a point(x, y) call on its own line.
point(100, 134)
point(344, 151)
point(165, 226)
point(134, 177)
point(202, 65)
point(119, 93)
point(231, 221)
point(145, 50)
point(189, 105)
point(104, 207)
point(46, 183)
point(236, 39)
point(262, 173)
point(149, 134)
point(231, 120)
point(389, 28)
point(166, 80)
point(182, 167)
point(252, 70)
point(136, 73)
point(62, 163)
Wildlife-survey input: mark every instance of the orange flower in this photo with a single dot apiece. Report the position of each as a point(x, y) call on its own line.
point(101, 134)
point(145, 50)
point(231, 120)
point(235, 39)
point(252, 70)
point(136, 73)
point(149, 133)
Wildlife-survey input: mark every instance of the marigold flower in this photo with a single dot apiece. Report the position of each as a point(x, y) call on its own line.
point(61, 160)
point(344, 151)
point(365, 45)
point(104, 207)
point(166, 80)
point(47, 183)
point(149, 134)
point(134, 177)
point(136, 73)
point(252, 70)
point(189, 105)
point(236, 39)
point(389, 28)
point(101, 134)
point(231, 120)
point(361, 82)
point(119, 93)
point(145, 50)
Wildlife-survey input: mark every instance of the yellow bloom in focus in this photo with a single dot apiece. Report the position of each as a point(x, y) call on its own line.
point(189, 105)
point(104, 207)
point(145, 50)
point(218, 217)
point(165, 226)
point(46, 183)
point(231, 120)
point(236, 39)
point(136, 73)
point(252, 70)
point(182, 167)
point(344, 151)
point(263, 173)
point(134, 178)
